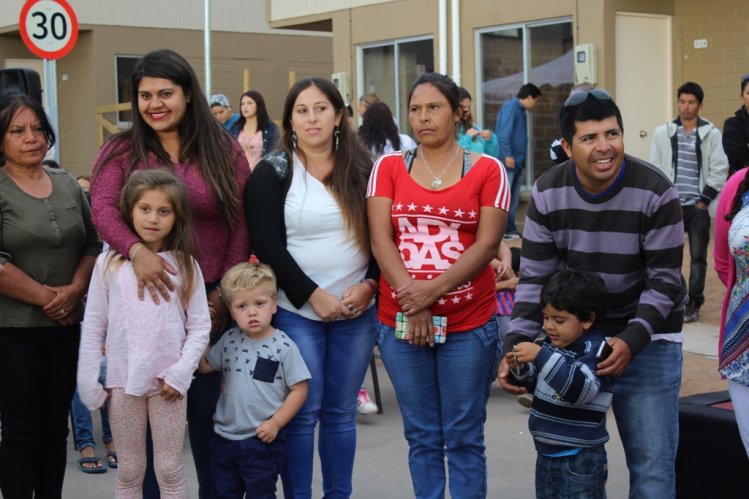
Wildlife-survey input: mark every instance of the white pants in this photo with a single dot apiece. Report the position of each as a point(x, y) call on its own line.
point(740, 398)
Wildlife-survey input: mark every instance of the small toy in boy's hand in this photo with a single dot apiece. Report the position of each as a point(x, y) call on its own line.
point(439, 323)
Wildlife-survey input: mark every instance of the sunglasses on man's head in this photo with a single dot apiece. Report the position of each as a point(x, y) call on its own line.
point(581, 96)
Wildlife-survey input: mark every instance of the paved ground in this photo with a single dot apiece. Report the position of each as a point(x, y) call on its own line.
point(381, 466)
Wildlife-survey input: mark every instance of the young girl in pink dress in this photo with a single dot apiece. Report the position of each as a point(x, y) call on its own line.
point(152, 349)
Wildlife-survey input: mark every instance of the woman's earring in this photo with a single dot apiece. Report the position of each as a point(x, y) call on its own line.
point(336, 134)
point(294, 138)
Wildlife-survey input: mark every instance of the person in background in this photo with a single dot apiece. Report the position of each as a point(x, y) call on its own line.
point(576, 212)
point(221, 109)
point(736, 132)
point(365, 101)
point(556, 151)
point(731, 253)
point(512, 132)
point(379, 133)
point(688, 151)
point(436, 218)
point(301, 202)
point(470, 134)
point(568, 412)
point(50, 247)
point(254, 130)
point(173, 128)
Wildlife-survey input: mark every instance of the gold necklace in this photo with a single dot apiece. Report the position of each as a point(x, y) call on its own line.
point(437, 182)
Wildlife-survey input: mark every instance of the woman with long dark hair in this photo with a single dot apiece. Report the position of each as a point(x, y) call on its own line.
point(307, 216)
point(255, 131)
point(173, 128)
point(379, 133)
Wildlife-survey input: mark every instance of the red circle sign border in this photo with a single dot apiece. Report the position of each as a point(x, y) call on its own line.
point(44, 54)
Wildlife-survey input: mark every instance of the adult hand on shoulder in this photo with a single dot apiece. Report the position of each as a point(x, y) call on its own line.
point(417, 296)
point(615, 363)
point(152, 273)
point(503, 374)
point(327, 306)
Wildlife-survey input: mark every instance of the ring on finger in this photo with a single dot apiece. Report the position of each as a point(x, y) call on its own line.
point(62, 311)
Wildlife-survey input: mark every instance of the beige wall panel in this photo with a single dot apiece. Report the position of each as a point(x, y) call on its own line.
point(718, 67)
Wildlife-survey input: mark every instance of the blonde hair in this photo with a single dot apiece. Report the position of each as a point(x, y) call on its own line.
point(247, 276)
point(180, 240)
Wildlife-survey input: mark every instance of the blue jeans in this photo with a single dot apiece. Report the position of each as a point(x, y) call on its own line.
point(442, 393)
point(646, 407)
point(246, 466)
point(582, 476)
point(697, 227)
point(337, 355)
point(515, 178)
point(83, 428)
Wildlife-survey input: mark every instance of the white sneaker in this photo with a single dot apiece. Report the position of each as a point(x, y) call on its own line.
point(364, 404)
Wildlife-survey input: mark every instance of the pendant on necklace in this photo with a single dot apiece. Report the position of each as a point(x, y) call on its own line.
point(437, 183)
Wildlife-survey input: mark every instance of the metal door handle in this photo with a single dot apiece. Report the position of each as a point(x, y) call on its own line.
point(643, 134)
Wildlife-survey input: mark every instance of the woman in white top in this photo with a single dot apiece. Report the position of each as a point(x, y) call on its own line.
point(307, 219)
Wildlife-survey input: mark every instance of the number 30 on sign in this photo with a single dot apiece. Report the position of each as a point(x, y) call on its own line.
point(49, 28)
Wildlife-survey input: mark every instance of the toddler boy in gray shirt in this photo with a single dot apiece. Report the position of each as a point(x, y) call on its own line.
point(264, 386)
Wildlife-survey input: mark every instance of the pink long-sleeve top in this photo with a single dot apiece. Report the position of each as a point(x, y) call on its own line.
point(725, 265)
point(219, 245)
point(145, 343)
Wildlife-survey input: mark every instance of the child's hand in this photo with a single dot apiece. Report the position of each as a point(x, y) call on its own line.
point(267, 431)
point(170, 394)
point(511, 283)
point(525, 352)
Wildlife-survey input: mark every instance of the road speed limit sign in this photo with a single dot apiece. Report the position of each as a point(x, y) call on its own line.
point(49, 28)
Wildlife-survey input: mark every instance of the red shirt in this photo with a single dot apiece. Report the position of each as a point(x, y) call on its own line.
point(432, 230)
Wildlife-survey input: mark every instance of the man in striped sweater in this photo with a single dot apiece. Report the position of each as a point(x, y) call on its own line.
point(619, 217)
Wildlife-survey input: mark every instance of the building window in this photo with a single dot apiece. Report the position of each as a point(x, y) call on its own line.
point(539, 53)
point(388, 69)
point(124, 65)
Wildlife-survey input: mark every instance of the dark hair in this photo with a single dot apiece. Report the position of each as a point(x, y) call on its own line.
point(353, 164)
point(10, 104)
point(202, 138)
point(441, 82)
point(378, 127)
point(737, 201)
point(467, 122)
point(529, 90)
point(263, 119)
point(51, 163)
point(579, 292)
point(592, 108)
point(463, 94)
point(692, 88)
point(744, 82)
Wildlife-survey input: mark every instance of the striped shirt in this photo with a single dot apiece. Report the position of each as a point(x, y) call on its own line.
point(687, 179)
point(632, 236)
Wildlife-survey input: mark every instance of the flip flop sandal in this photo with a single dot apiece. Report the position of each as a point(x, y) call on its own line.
point(112, 459)
point(100, 468)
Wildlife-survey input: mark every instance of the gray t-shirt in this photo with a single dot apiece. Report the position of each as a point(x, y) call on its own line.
point(257, 377)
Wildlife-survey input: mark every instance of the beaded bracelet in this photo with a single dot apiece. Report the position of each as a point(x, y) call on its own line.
point(372, 285)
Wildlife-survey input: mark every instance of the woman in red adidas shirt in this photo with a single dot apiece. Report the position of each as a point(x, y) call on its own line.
point(436, 216)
